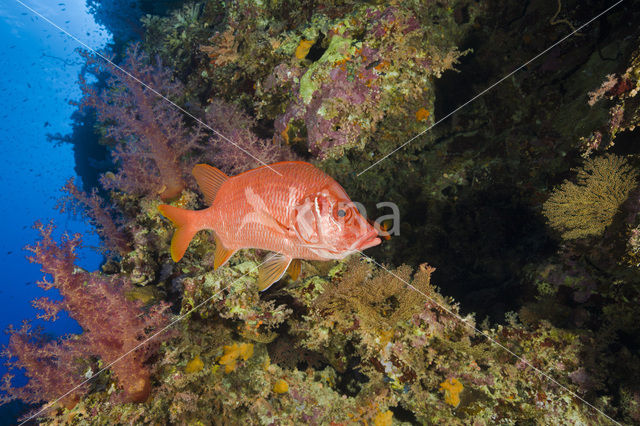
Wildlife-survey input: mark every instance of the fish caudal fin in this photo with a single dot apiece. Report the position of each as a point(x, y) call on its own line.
point(209, 180)
point(187, 224)
point(272, 270)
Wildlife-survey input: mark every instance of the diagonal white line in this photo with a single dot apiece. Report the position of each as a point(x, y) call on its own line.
point(95, 52)
point(363, 171)
point(491, 339)
point(145, 341)
point(490, 87)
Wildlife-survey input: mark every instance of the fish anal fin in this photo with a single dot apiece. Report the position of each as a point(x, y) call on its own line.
point(272, 270)
point(187, 223)
point(209, 180)
point(294, 269)
point(221, 254)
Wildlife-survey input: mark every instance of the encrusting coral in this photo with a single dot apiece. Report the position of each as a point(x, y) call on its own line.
point(452, 389)
point(233, 354)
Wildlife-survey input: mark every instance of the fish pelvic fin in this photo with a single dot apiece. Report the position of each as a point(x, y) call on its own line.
point(209, 180)
point(221, 254)
point(187, 223)
point(272, 270)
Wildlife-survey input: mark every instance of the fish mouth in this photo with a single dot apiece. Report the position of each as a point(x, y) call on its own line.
point(370, 239)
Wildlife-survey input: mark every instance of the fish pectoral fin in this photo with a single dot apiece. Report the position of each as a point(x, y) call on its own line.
point(294, 269)
point(272, 270)
point(267, 219)
point(221, 254)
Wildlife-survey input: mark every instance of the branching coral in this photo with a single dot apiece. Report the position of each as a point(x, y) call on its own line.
point(378, 300)
point(247, 150)
point(151, 140)
point(586, 208)
point(53, 368)
point(92, 206)
point(112, 325)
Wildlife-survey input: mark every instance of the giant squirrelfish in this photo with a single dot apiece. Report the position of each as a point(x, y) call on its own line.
point(291, 208)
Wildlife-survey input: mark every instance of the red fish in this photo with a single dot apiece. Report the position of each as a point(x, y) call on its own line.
point(291, 208)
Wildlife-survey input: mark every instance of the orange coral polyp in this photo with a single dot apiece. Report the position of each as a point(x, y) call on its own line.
point(422, 114)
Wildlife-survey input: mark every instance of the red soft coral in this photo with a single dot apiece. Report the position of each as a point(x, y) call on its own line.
point(247, 150)
point(92, 206)
point(112, 325)
point(52, 368)
point(114, 328)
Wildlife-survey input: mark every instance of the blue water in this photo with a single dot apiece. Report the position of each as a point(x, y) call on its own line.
point(39, 77)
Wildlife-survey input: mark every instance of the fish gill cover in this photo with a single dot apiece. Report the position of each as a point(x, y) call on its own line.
point(546, 273)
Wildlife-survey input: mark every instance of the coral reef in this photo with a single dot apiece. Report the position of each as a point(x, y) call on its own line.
point(429, 363)
point(352, 341)
point(371, 58)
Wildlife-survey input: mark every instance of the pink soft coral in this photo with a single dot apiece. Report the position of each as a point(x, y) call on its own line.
point(247, 150)
point(50, 366)
point(151, 139)
point(101, 216)
point(114, 328)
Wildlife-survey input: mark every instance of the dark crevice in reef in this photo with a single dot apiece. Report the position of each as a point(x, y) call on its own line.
point(317, 49)
point(404, 415)
point(480, 234)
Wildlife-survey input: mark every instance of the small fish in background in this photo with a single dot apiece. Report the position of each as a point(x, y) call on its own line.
point(291, 208)
point(383, 228)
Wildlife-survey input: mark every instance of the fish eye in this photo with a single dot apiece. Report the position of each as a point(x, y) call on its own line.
point(342, 213)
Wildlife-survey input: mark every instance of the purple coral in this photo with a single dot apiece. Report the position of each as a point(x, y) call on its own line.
point(247, 147)
point(151, 138)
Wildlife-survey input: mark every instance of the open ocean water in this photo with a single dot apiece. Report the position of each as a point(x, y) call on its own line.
point(40, 68)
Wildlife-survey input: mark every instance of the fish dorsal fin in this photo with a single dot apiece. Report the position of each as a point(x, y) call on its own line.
point(294, 269)
point(272, 270)
point(209, 180)
point(221, 254)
